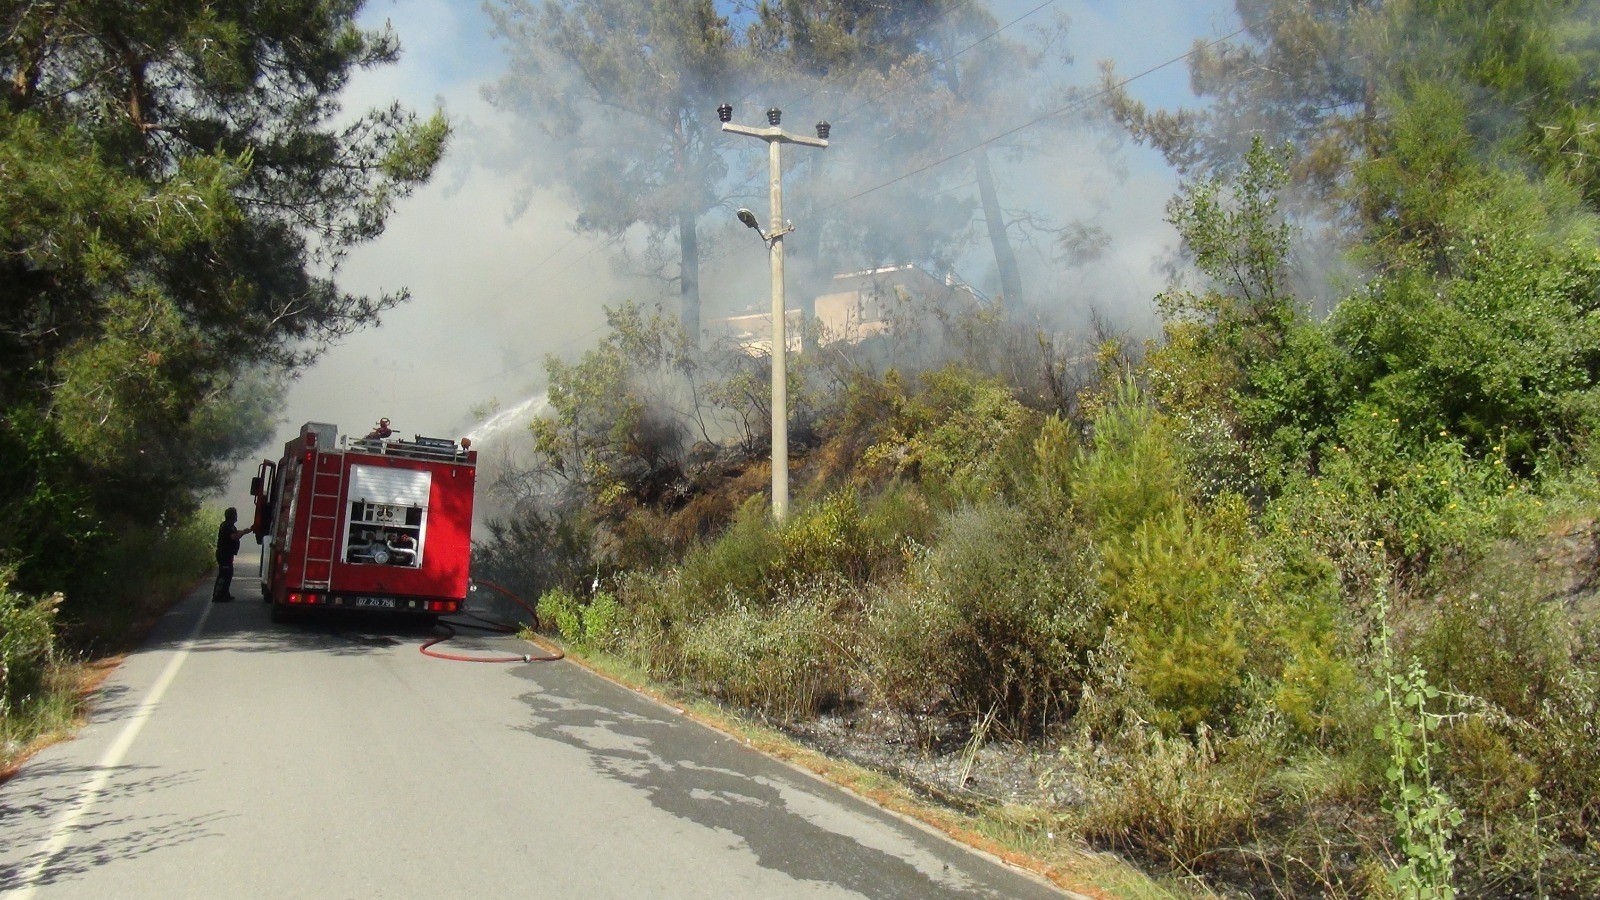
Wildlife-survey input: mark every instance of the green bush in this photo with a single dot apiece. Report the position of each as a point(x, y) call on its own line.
point(27, 646)
point(1174, 580)
point(838, 536)
point(858, 541)
point(1131, 471)
point(611, 432)
point(600, 621)
point(1306, 652)
point(131, 573)
point(741, 562)
point(588, 625)
point(1496, 343)
point(1314, 682)
point(1178, 585)
point(1421, 506)
point(561, 609)
point(962, 436)
point(162, 561)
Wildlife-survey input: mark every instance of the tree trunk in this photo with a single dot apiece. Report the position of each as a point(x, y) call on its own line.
point(1004, 259)
point(689, 276)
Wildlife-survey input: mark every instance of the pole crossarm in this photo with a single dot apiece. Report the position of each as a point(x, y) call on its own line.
point(773, 134)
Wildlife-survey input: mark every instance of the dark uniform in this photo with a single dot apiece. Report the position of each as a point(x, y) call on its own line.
point(227, 548)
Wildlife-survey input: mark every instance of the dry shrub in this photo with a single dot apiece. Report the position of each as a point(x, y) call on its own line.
point(653, 614)
point(785, 661)
point(1177, 798)
point(998, 617)
point(1522, 758)
point(907, 648)
point(531, 554)
point(703, 516)
point(672, 620)
point(1520, 646)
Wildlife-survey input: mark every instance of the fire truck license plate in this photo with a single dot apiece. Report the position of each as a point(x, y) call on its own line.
point(384, 602)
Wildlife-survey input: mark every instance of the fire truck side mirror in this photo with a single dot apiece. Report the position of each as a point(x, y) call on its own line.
point(255, 486)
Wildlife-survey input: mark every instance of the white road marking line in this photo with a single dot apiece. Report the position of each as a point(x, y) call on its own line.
point(114, 754)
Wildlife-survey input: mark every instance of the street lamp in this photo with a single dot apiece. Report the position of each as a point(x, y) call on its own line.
point(749, 218)
point(775, 137)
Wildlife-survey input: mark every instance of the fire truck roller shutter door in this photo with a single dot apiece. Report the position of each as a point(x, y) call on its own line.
point(393, 487)
point(385, 503)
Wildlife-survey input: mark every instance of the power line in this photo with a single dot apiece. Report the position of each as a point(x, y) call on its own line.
point(1076, 104)
point(838, 75)
point(525, 275)
point(534, 269)
point(910, 79)
point(887, 91)
point(931, 24)
point(509, 369)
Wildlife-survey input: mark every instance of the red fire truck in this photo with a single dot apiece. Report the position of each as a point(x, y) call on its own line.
point(365, 523)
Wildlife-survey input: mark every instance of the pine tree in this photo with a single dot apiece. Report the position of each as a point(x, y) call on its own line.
point(915, 82)
point(173, 193)
point(627, 91)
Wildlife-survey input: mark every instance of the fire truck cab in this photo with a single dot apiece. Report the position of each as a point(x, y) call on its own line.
point(365, 523)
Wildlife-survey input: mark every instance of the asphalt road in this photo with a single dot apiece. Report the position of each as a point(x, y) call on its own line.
point(233, 757)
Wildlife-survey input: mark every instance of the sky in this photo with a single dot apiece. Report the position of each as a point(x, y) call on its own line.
point(497, 285)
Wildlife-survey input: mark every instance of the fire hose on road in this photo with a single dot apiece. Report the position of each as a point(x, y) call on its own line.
point(490, 625)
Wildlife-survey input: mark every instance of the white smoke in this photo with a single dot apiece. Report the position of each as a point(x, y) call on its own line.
point(499, 279)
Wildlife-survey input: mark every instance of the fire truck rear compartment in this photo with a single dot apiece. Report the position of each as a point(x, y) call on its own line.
point(367, 525)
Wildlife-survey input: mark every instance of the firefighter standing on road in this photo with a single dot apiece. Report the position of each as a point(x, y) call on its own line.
point(228, 535)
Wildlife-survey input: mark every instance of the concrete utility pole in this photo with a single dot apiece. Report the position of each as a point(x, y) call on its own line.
point(776, 137)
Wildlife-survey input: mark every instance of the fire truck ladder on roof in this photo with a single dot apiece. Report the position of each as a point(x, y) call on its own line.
point(322, 525)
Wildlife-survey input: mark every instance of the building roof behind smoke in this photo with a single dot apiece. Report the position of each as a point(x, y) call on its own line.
point(858, 306)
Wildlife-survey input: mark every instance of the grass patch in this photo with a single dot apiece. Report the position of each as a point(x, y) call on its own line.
point(52, 715)
point(54, 650)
